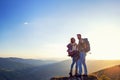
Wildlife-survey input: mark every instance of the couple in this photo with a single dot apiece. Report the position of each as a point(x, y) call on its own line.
point(78, 54)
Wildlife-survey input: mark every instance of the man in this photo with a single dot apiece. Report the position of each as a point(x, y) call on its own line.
point(81, 61)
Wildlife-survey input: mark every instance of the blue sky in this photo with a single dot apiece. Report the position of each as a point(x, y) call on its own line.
point(42, 28)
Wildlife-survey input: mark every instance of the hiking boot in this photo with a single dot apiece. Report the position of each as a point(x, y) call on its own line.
point(70, 74)
point(76, 75)
point(80, 76)
point(85, 75)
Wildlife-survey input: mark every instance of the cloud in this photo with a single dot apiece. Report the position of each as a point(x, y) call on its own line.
point(25, 23)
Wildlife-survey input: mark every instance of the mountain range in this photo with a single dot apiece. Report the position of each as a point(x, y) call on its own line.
point(30, 69)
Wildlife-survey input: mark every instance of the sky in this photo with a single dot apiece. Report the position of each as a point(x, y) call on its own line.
point(41, 29)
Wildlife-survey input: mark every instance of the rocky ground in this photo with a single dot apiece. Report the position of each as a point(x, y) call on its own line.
point(90, 77)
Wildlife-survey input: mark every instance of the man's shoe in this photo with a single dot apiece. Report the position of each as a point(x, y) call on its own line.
point(80, 76)
point(85, 75)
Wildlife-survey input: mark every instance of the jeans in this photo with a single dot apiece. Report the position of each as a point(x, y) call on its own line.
point(74, 61)
point(81, 62)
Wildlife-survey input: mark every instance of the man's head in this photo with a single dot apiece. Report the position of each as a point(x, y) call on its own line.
point(79, 36)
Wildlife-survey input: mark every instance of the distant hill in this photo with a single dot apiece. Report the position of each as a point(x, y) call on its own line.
point(33, 62)
point(22, 69)
point(96, 65)
point(19, 63)
point(18, 68)
point(11, 64)
point(113, 73)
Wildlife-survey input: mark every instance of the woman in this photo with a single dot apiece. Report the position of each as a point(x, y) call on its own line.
point(73, 52)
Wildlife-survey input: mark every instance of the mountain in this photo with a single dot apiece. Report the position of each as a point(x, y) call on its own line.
point(34, 62)
point(10, 64)
point(21, 69)
point(18, 68)
point(112, 73)
point(62, 68)
point(96, 65)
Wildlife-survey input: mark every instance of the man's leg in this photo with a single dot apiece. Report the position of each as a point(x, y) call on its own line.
point(80, 65)
point(84, 63)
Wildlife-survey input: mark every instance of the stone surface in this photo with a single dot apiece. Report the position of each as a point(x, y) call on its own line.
point(90, 77)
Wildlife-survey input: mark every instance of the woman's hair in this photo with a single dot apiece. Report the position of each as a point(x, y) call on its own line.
point(72, 40)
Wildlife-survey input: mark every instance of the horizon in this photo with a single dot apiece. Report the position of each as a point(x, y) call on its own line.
point(42, 29)
point(61, 59)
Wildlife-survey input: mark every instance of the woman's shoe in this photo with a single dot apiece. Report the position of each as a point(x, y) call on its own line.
point(70, 74)
point(76, 74)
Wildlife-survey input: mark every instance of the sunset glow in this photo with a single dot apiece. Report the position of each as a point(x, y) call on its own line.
point(42, 29)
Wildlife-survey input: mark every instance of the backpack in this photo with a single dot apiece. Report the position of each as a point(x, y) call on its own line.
point(87, 49)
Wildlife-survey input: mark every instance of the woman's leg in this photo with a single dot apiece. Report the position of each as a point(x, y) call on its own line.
point(71, 68)
point(76, 68)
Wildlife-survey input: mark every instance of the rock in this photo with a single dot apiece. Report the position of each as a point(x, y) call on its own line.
point(90, 77)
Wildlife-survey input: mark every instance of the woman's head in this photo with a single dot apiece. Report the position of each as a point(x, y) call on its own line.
point(72, 40)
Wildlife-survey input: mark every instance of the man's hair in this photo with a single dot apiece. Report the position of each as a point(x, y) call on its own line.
point(78, 34)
